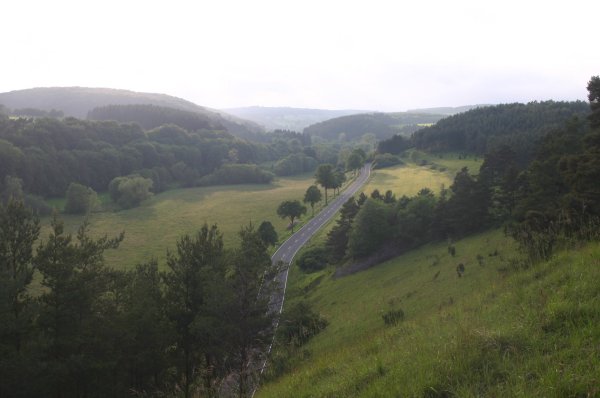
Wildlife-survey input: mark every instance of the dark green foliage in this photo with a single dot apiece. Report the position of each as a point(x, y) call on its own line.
point(291, 209)
point(326, 178)
point(80, 199)
point(249, 290)
point(382, 125)
point(337, 238)
point(19, 230)
point(237, 174)
point(130, 191)
point(356, 160)
point(152, 116)
point(483, 129)
point(193, 284)
point(593, 88)
point(313, 259)
point(370, 229)
point(393, 317)
point(267, 233)
point(49, 154)
point(295, 163)
point(312, 196)
point(386, 160)
point(394, 145)
point(299, 323)
point(76, 313)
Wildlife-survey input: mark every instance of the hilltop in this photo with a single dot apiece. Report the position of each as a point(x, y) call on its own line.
point(382, 125)
point(78, 101)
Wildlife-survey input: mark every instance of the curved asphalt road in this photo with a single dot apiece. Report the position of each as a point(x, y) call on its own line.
point(290, 247)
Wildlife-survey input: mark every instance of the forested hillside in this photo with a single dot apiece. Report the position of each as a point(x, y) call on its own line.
point(48, 154)
point(78, 101)
point(382, 125)
point(152, 116)
point(482, 129)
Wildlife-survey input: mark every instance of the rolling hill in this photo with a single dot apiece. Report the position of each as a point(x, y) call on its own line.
point(285, 118)
point(383, 125)
point(78, 101)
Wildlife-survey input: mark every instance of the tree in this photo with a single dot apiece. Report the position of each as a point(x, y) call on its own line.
point(249, 289)
point(337, 238)
point(354, 161)
point(292, 209)
point(267, 233)
point(325, 177)
point(312, 196)
point(80, 199)
point(338, 180)
point(370, 228)
point(193, 294)
point(76, 312)
point(19, 230)
point(594, 98)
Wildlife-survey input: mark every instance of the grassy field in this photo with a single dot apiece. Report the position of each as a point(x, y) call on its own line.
point(154, 227)
point(497, 331)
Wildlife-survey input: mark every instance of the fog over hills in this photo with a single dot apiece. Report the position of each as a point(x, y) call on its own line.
point(287, 118)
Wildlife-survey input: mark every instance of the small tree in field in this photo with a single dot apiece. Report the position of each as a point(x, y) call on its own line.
point(292, 209)
point(312, 196)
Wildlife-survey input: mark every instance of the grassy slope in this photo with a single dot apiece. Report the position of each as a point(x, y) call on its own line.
point(494, 332)
point(155, 226)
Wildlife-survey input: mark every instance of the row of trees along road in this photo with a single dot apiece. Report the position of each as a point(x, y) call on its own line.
point(329, 178)
point(82, 329)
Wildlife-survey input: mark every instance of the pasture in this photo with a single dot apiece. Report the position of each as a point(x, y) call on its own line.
point(154, 227)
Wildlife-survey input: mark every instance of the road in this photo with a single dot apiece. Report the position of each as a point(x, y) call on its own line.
point(290, 247)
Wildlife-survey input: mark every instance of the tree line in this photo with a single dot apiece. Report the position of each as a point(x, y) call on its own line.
point(72, 327)
point(49, 154)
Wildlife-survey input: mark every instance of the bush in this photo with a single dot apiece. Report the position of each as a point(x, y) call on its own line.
point(80, 199)
point(299, 323)
point(313, 259)
point(386, 160)
point(393, 317)
point(295, 163)
point(130, 191)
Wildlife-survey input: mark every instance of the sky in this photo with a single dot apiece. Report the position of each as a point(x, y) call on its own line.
point(368, 55)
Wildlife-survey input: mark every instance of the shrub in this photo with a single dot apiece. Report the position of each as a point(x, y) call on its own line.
point(130, 191)
point(237, 174)
point(313, 259)
point(80, 199)
point(299, 323)
point(393, 317)
point(386, 160)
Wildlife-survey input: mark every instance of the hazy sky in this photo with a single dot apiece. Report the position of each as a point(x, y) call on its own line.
point(379, 55)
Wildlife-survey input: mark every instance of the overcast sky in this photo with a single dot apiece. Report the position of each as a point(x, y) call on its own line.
point(378, 55)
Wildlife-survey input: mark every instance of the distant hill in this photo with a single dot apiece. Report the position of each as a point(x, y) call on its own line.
point(152, 116)
point(285, 118)
point(78, 101)
point(447, 110)
point(383, 125)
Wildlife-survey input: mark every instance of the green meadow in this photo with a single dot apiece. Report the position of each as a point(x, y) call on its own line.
point(155, 226)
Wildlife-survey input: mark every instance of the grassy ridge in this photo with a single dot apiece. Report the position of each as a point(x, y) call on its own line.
point(494, 332)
